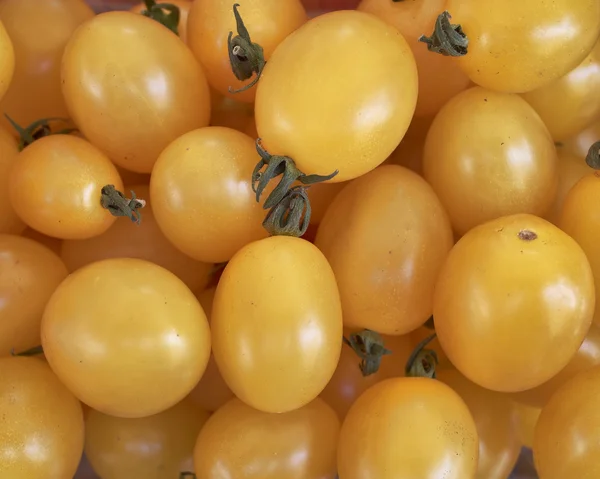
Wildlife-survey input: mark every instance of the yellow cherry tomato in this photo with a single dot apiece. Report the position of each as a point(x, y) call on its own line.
point(132, 87)
point(517, 46)
point(42, 422)
point(241, 442)
point(337, 94)
point(488, 155)
point(201, 189)
point(528, 417)
point(497, 422)
point(419, 335)
point(277, 321)
point(55, 187)
point(408, 427)
point(39, 32)
point(10, 223)
point(126, 336)
point(268, 22)
point(513, 291)
point(184, 10)
point(386, 236)
point(158, 446)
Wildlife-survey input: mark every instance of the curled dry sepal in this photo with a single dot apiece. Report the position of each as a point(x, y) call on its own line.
point(119, 205)
point(447, 39)
point(166, 14)
point(368, 346)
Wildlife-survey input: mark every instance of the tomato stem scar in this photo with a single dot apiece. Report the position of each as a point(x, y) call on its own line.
point(369, 347)
point(118, 205)
point(593, 156)
point(446, 39)
point(291, 216)
point(38, 129)
point(166, 14)
point(527, 235)
point(422, 362)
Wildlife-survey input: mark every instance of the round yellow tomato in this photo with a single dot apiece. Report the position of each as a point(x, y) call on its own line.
point(567, 434)
point(528, 417)
point(126, 336)
point(7, 60)
point(39, 32)
point(238, 441)
point(408, 427)
point(268, 22)
point(29, 274)
point(158, 447)
point(201, 188)
point(132, 87)
point(10, 223)
point(337, 94)
point(145, 241)
point(497, 424)
point(488, 155)
point(513, 291)
point(386, 236)
point(55, 187)
point(517, 46)
point(184, 10)
point(277, 322)
point(42, 423)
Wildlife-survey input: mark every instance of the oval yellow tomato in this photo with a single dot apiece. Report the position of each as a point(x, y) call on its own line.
point(238, 441)
point(42, 422)
point(55, 187)
point(386, 236)
point(126, 336)
point(358, 73)
point(122, 59)
point(482, 173)
point(39, 32)
point(184, 10)
point(7, 60)
point(408, 427)
point(201, 189)
point(513, 291)
point(10, 223)
point(158, 446)
point(277, 321)
point(29, 274)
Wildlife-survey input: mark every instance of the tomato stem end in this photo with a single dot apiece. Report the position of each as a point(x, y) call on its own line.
point(166, 14)
point(422, 361)
point(118, 205)
point(447, 39)
point(368, 346)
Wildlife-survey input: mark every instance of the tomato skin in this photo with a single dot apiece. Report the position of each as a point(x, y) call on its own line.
point(126, 336)
point(184, 10)
point(374, 252)
point(42, 431)
point(358, 73)
point(410, 150)
point(10, 223)
point(528, 417)
point(7, 60)
point(567, 434)
point(519, 46)
point(195, 204)
point(241, 442)
point(29, 274)
point(55, 187)
point(580, 143)
point(39, 32)
point(159, 446)
point(277, 321)
point(408, 427)
point(480, 174)
point(513, 291)
point(121, 58)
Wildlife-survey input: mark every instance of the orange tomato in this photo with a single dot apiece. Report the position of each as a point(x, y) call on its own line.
point(513, 291)
point(121, 58)
point(10, 222)
point(55, 187)
point(39, 32)
point(488, 155)
point(423, 332)
point(184, 10)
point(385, 255)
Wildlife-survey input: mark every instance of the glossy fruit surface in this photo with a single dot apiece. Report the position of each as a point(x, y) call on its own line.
point(7, 60)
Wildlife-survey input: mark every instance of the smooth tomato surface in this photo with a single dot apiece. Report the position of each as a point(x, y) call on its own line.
point(10, 223)
point(7, 60)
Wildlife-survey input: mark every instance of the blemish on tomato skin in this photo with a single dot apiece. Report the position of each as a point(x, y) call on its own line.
point(527, 235)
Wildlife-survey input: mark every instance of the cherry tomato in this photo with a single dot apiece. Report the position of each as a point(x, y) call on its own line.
point(201, 188)
point(29, 274)
point(158, 447)
point(571, 102)
point(496, 419)
point(126, 336)
point(408, 427)
point(528, 416)
point(241, 442)
point(55, 187)
point(488, 155)
point(517, 46)
point(184, 10)
point(39, 32)
point(146, 241)
point(358, 73)
point(211, 392)
point(7, 60)
point(268, 22)
point(375, 252)
point(566, 442)
point(513, 291)
point(53, 244)
point(277, 321)
point(42, 422)
point(132, 87)
point(410, 150)
point(9, 220)
point(580, 143)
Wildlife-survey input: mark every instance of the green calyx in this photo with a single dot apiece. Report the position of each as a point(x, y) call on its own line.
point(447, 39)
point(368, 346)
point(166, 14)
point(118, 205)
point(422, 361)
point(38, 129)
point(593, 156)
point(291, 216)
